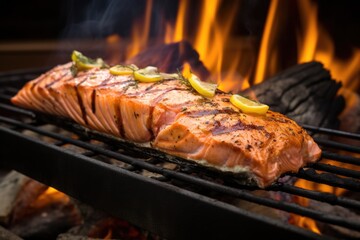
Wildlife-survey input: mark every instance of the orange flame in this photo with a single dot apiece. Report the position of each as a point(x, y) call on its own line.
point(266, 43)
point(108, 235)
point(177, 34)
point(186, 70)
point(50, 196)
point(140, 32)
point(316, 44)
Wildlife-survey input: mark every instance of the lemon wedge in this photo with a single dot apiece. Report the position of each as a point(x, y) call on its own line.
point(123, 69)
point(84, 63)
point(248, 106)
point(148, 74)
point(204, 88)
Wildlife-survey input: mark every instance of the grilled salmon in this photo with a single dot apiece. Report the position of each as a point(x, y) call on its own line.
point(173, 118)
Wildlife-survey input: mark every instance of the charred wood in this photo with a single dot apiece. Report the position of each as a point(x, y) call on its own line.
point(305, 93)
point(170, 58)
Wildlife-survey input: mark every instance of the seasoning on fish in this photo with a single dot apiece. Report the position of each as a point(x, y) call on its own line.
point(175, 119)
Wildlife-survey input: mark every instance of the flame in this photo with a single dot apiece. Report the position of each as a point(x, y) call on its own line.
point(177, 34)
point(266, 42)
point(109, 234)
point(113, 49)
point(211, 41)
point(140, 32)
point(50, 196)
point(186, 70)
point(316, 44)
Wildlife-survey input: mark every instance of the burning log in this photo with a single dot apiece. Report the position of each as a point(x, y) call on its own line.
point(171, 57)
point(32, 210)
point(305, 93)
point(349, 118)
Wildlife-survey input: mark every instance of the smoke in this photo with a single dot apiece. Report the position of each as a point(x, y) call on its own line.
point(94, 19)
point(253, 14)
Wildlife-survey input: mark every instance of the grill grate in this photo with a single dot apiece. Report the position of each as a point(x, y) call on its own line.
point(180, 189)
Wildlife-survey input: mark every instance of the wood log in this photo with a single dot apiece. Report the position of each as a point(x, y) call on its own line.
point(69, 236)
point(10, 187)
point(47, 223)
point(305, 93)
point(5, 234)
point(31, 190)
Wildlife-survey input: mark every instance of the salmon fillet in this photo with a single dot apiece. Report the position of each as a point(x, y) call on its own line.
point(171, 117)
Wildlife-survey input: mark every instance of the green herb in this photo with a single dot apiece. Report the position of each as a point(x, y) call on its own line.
point(183, 80)
point(73, 70)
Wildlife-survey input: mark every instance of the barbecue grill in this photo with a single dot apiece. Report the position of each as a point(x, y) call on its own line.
point(179, 202)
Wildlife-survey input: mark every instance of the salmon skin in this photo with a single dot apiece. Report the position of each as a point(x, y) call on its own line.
point(171, 117)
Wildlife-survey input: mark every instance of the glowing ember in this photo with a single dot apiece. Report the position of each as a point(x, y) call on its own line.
point(50, 196)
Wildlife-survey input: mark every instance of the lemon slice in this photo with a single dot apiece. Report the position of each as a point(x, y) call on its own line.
point(247, 105)
point(123, 70)
point(204, 88)
point(84, 63)
point(148, 74)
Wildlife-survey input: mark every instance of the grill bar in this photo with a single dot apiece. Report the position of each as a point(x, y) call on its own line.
point(332, 132)
point(196, 181)
point(339, 146)
point(17, 110)
point(319, 196)
point(147, 202)
point(329, 179)
point(337, 170)
point(341, 158)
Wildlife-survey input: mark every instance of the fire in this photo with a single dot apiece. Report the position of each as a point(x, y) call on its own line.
point(316, 44)
point(140, 32)
point(213, 32)
point(50, 196)
point(186, 70)
point(109, 234)
point(236, 69)
point(267, 41)
point(213, 37)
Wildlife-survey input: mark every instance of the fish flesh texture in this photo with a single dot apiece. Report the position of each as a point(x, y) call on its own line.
point(173, 118)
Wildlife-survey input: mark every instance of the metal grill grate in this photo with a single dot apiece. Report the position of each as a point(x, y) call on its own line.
point(180, 202)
